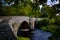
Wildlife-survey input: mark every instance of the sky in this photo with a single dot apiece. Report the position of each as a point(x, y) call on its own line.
point(6, 4)
point(50, 3)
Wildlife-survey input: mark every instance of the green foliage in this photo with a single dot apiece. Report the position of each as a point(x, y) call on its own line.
point(28, 9)
point(57, 21)
point(50, 28)
point(42, 23)
point(8, 11)
point(42, 1)
point(52, 25)
point(50, 11)
point(44, 28)
point(47, 25)
point(25, 10)
point(56, 34)
point(52, 21)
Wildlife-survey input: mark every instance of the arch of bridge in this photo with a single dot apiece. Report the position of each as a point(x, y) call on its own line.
point(15, 22)
point(24, 27)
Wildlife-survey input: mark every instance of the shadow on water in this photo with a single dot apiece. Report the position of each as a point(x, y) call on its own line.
point(6, 32)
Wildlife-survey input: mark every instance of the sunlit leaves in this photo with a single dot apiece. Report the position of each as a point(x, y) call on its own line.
point(25, 10)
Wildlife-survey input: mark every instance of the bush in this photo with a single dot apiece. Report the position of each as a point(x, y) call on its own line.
point(57, 32)
point(50, 11)
point(57, 21)
point(7, 11)
point(43, 22)
point(50, 28)
point(52, 21)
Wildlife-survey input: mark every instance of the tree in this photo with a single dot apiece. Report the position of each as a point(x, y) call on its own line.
point(51, 12)
point(42, 1)
point(0, 2)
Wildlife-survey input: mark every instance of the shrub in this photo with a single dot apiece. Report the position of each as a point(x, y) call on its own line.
point(57, 21)
point(50, 28)
point(52, 21)
point(57, 32)
point(43, 22)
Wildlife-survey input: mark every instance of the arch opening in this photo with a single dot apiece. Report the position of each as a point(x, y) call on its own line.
point(23, 29)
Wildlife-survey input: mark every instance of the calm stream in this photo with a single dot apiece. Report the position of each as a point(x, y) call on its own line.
point(40, 35)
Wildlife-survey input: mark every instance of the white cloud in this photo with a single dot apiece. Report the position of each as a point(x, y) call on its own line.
point(50, 3)
point(56, 2)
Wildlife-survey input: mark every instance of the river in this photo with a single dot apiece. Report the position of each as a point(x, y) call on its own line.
point(40, 35)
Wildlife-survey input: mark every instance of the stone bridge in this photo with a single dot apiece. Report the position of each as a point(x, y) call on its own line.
point(16, 22)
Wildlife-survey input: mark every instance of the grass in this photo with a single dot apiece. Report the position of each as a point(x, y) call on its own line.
point(23, 38)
